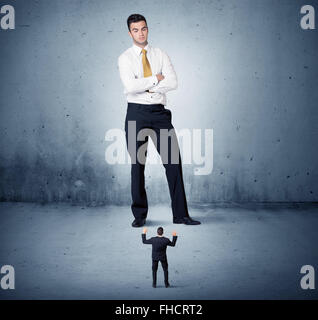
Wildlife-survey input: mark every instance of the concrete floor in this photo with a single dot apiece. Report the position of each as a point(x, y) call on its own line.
point(250, 251)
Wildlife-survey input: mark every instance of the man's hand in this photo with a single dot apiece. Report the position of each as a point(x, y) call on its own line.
point(144, 230)
point(174, 233)
point(160, 77)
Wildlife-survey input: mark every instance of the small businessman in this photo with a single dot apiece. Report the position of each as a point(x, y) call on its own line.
point(159, 248)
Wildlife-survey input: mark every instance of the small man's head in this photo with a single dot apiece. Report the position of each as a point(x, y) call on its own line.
point(160, 231)
point(138, 29)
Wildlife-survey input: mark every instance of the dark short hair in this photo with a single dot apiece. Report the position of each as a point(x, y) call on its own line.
point(160, 231)
point(135, 18)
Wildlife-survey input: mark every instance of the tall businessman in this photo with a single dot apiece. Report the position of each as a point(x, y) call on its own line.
point(159, 248)
point(147, 74)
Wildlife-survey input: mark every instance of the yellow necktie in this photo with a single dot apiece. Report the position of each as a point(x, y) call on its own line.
point(146, 64)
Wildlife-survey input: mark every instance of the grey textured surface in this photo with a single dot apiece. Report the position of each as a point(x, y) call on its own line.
point(249, 251)
point(245, 68)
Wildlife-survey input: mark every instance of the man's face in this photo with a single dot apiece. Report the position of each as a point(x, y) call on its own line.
point(139, 32)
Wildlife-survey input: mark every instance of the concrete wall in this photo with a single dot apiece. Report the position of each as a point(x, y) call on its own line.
point(245, 67)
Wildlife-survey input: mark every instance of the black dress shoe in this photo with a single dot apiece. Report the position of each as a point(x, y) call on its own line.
point(186, 220)
point(167, 285)
point(138, 223)
point(154, 285)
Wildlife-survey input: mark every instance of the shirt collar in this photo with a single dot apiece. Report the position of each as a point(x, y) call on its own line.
point(138, 49)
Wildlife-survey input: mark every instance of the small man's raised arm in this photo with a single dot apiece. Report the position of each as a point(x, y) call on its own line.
point(143, 237)
point(174, 239)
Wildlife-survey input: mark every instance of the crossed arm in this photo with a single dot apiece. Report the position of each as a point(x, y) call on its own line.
point(159, 83)
point(170, 81)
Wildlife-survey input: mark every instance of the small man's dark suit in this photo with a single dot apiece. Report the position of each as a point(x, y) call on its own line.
point(159, 248)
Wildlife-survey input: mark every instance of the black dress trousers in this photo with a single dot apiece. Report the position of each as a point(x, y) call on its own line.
point(164, 264)
point(157, 118)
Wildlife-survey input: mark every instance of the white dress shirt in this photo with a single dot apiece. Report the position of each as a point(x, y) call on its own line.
point(132, 75)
